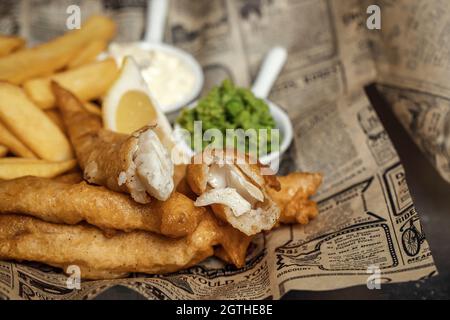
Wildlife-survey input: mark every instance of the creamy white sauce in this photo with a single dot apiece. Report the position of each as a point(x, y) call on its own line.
point(169, 78)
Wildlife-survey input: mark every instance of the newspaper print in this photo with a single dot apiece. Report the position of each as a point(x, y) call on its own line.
point(367, 217)
point(325, 60)
point(10, 17)
point(426, 117)
point(208, 30)
point(41, 22)
point(412, 56)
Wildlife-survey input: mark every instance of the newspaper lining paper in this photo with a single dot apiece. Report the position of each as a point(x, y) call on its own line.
point(367, 217)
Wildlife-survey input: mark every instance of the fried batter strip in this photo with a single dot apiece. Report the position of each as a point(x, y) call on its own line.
point(62, 202)
point(98, 256)
point(293, 198)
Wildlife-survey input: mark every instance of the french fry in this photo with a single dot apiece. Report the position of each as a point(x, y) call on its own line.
point(10, 44)
point(15, 145)
point(55, 116)
point(88, 54)
point(3, 151)
point(14, 160)
point(11, 167)
point(30, 125)
point(54, 55)
point(86, 82)
point(92, 108)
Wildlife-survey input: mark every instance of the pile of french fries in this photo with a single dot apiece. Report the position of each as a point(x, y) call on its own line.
point(32, 137)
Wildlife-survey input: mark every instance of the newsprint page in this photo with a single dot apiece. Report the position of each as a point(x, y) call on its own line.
point(367, 223)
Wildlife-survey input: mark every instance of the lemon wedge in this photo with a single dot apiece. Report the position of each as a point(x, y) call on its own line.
point(134, 111)
point(128, 105)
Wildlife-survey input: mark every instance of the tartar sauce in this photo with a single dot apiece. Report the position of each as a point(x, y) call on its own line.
point(169, 78)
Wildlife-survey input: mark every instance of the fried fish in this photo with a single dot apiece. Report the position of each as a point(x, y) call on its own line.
point(235, 190)
point(137, 164)
point(293, 196)
point(62, 202)
point(99, 256)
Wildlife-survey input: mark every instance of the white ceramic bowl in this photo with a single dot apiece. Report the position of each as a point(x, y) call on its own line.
point(188, 59)
point(282, 121)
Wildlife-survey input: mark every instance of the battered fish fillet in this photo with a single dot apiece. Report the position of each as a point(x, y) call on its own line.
point(72, 177)
point(233, 247)
point(98, 256)
point(137, 164)
point(293, 197)
point(235, 190)
point(183, 188)
point(295, 207)
point(62, 202)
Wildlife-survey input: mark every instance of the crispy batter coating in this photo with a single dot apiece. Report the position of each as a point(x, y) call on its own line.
point(293, 197)
point(71, 177)
point(109, 152)
point(99, 256)
point(179, 173)
point(233, 247)
point(62, 202)
point(183, 188)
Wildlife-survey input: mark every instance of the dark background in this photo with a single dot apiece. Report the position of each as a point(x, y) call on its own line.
point(431, 195)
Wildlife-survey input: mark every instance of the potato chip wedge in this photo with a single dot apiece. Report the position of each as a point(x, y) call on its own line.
point(93, 108)
point(11, 167)
point(86, 82)
point(10, 44)
point(3, 151)
point(54, 55)
point(15, 145)
point(30, 125)
point(15, 160)
point(88, 54)
point(55, 116)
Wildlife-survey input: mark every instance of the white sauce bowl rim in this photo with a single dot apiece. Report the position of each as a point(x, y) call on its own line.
point(187, 58)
